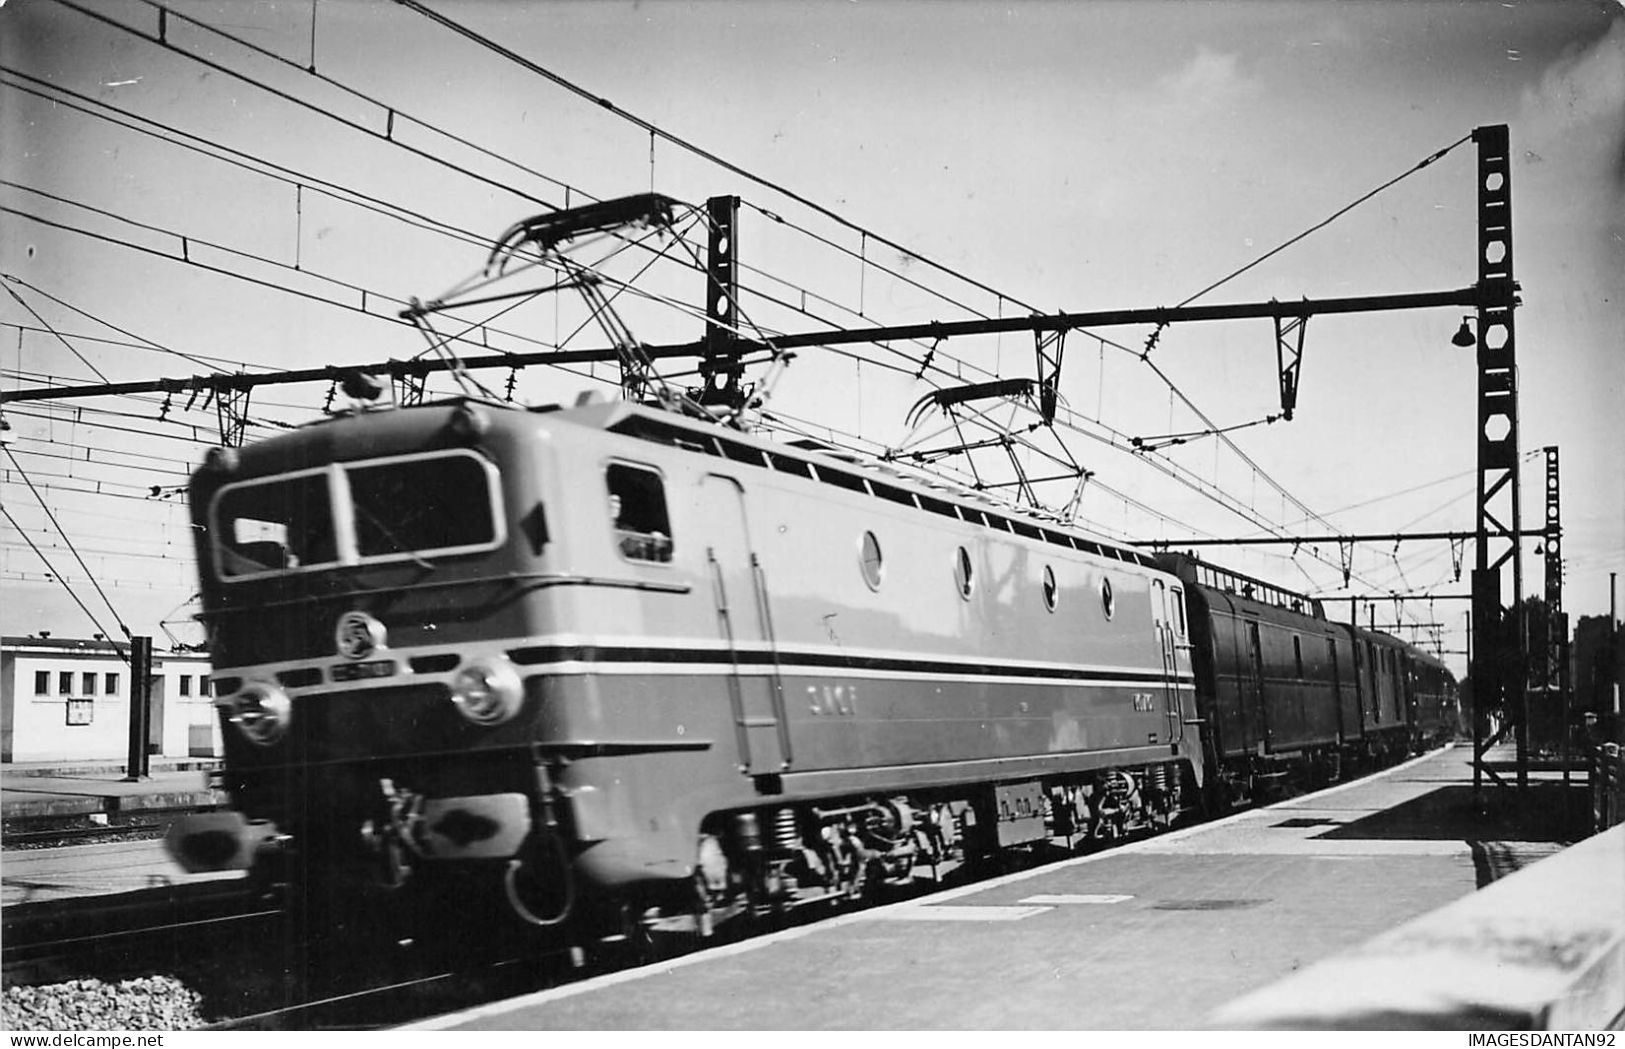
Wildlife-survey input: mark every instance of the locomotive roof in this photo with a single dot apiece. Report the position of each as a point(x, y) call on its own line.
point(403, 428)
point(853, 473)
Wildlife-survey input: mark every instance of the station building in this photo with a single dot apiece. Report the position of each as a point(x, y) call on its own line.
point(68, 700)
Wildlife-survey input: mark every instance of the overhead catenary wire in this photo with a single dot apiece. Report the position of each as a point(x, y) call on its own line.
point(71, 593)
point(35, 314)
point(46, 507)
point(653, 129)
point(389, 111)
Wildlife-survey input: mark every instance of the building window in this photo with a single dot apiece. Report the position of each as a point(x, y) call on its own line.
point(110, 684)
point(64, 682)
point(203, 685)
point(870, 561)
point(186, 684)
point(637, 511)
point(42, 682)
point(87, 683)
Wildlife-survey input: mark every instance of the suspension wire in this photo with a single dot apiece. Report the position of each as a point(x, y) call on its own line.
point(144, 343)
point(46, 507)
point(1169, 440)
point(84, 409)
point(364, 293)
point(861, 256)
point(258, 165)
point(66, 585)
point(653, 132)
point(704, 154)
point(1333, 217)
point(47, 324)
point(395, 113)
point(174, 136)
point(297, 101)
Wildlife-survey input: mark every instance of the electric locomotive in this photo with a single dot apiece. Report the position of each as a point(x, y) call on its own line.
point(609, 660)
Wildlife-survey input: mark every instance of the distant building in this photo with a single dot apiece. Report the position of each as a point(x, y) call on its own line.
point(1598, 668)
point(68, 699)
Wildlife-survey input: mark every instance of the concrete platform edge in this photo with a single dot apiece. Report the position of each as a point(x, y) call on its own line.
point(1543, 949)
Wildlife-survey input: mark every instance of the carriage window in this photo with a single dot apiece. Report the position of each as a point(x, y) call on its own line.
point(637, 508)
point(1052, 591)
point(1177, 598)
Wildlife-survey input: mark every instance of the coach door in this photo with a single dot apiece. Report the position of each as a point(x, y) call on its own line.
point(1253, 687)
point(744, 619)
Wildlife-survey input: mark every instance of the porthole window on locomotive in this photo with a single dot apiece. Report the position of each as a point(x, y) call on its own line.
point(963, 576)
point(637, 512)
point(1052, 592)
point(870, 561)
point(1108, 603)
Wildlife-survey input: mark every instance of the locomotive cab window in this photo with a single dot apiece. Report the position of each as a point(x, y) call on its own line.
point(275, 525)
point(637, 510)
point(433, 503)
point(400, 508)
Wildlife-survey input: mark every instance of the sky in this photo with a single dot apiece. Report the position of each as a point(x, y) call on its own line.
point(965, 159)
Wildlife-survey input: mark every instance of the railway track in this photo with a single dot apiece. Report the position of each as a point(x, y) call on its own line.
point(90, 936)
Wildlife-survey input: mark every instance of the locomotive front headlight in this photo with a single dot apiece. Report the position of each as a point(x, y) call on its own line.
point(261, 711)
point(488, 691)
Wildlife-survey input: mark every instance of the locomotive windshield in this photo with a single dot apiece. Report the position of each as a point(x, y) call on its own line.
point(400, 508)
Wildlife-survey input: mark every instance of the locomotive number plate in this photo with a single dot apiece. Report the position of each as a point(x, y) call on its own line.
point(357, 671)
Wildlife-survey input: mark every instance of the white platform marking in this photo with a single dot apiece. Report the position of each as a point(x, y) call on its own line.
point(958, 914)
point(1063, 899)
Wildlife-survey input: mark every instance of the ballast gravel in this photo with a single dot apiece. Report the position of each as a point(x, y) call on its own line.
point(144, 1003)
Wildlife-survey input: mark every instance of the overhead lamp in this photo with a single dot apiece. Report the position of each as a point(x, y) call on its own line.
point(1464, 336)
point(361, 386)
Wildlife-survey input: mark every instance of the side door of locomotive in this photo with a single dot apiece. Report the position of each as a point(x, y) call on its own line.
point(1166, 616)
point(744, 618)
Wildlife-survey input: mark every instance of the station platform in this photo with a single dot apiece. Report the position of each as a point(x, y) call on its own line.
point(1159, 934)
point(66, 790)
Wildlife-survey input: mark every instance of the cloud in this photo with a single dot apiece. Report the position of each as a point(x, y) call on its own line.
point(1210, 80)
point(1579, 103)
